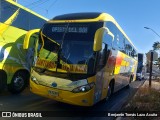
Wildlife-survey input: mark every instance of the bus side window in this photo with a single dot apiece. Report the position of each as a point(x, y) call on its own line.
point(108, 43)
point(107, 39)
point(104, 53)
point(134, 54)
point(101, 57)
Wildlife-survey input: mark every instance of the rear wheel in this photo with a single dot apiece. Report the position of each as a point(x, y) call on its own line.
point(130, 80)
point(18, 83)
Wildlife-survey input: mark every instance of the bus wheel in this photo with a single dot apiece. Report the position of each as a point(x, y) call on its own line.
point(3, 80)
point(130, 80)
point(18, 83)
point(110, 91)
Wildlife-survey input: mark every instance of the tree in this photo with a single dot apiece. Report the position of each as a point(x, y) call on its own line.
point(156, 45)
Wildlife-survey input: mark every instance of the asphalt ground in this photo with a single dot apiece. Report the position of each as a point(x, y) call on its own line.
point(28, 102)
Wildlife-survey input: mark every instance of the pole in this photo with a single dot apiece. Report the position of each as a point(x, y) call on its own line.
point(151, 62)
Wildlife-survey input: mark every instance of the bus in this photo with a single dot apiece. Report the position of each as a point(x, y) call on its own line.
point(81, 58)
point(140, 67)
point(15, 62)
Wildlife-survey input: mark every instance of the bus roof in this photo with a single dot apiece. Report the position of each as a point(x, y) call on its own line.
point(28, 10)
point(88, 17)
point(77, 16)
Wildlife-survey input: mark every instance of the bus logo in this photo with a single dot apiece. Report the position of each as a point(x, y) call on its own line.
point(54, 84)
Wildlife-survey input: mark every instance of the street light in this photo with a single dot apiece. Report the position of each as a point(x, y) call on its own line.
point(155, 33)
point(152, 31)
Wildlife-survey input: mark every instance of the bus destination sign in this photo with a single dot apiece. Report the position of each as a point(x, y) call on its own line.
point(70, 29)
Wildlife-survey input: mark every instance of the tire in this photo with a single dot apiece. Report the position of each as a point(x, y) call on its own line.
point(130, 80)
point(18, 83)
point(3, 81)
point(110, 91)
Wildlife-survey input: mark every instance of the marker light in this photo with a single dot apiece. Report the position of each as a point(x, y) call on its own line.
point(34, 79)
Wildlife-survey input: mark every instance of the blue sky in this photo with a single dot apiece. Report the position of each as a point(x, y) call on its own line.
point(132, 15)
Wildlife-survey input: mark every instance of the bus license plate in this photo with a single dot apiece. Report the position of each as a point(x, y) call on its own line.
point(53, 93)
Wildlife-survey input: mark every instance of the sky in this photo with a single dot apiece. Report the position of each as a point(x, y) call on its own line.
point(131, 15)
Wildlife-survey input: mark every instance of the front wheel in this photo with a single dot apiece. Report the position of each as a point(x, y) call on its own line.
point(110, 91)
point(18, 83)
point(3, 81)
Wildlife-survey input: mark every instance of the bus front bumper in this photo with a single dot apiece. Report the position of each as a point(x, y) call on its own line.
point(81, 99)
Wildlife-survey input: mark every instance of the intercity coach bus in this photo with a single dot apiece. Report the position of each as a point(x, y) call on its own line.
point(81, 58)
point(15, 62)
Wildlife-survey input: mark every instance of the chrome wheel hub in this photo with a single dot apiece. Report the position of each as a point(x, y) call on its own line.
point(18, 82)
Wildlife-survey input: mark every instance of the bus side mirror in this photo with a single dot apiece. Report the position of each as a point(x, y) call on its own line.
point(98, 38)
point(27, 37)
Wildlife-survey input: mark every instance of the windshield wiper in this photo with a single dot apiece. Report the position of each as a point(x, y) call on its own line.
point(60, 49)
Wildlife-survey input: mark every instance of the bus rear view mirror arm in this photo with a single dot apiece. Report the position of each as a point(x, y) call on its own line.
point(27, 37)
point(98, 38)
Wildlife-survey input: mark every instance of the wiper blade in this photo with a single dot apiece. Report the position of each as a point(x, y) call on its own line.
point(60, 49)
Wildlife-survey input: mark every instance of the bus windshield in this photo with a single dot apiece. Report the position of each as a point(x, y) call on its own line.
point(69, 45)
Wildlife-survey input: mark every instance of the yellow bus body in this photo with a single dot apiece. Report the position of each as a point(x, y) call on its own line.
point(119, 70)
point(13, 58)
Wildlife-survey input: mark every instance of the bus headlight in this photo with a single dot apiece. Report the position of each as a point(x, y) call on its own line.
point(84, 88)
point(34, 79)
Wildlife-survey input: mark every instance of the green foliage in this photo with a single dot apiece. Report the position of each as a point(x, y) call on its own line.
point(156, 45)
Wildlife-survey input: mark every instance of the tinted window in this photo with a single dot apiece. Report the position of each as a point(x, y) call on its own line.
point(24, 19)
point(128, 48)
point(113, 29)
point(107, 39)
point(134, 54)
point(120, 41)
point(72, 31)
point(6, 10)
point(102, 57)
point(74, 39)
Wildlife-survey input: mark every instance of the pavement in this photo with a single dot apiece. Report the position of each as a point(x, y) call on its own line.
point(155, 84)
point(27, 101)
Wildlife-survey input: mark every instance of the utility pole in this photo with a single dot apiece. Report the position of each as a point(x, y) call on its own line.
point(151, 63)
point(151, 56)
